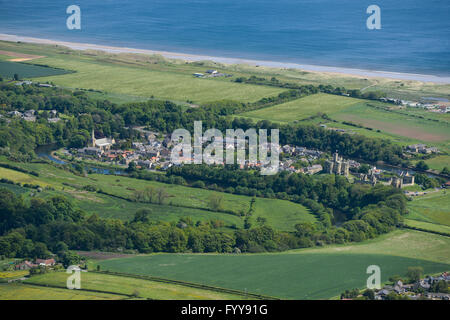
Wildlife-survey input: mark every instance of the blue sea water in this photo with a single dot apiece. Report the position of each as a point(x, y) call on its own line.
point(414, 37)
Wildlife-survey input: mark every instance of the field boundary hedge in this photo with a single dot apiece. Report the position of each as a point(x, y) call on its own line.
point(404, 226)
point(88, 290)
point(190, 284)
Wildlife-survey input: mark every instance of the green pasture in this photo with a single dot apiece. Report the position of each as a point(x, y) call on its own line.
point(280, 214)
point(130, 286)
point(301, 274)
point(432, 208)
point(17, 291)
point(303, 108)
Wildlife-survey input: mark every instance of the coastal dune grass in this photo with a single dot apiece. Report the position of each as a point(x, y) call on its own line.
point(146, 82)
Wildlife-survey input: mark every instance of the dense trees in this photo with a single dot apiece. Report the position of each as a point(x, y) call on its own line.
point(55, 225)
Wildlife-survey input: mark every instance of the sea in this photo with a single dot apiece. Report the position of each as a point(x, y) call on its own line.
point(414, 34)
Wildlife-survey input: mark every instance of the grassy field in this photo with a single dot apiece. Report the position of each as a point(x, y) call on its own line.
point(303, 108)
point(21, 177)
point(18, 291)
point(280, 214)
point(141, 76)
point(318, 273)
point(129, 286)
point(432, 208)
point(439, 162)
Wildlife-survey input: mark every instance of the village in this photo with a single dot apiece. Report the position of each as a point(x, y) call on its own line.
point(427, 288)
point(153, 152)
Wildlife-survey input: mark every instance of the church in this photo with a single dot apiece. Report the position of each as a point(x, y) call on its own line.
point(103, 144)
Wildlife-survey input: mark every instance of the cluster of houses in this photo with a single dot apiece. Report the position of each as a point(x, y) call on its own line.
point(294, 154)
point(421, 148)
point(155, 153)
point(432, 107)
point(29, 82)
point(211, 74)
point(417, 290)
point(30, 115)
point(27, 265)
point(148, 154)
point(374, 176)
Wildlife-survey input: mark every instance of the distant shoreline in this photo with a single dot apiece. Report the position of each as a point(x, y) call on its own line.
point(273, 64)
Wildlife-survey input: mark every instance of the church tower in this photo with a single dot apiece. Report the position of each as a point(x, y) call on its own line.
point(93, 138)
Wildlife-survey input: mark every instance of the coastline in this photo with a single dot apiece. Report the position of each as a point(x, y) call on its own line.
point(271, 64)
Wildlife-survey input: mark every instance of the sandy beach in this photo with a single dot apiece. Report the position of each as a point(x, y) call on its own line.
point(273, 64)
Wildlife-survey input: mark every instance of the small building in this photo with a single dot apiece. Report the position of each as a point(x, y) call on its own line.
point(15, 113)
point(145, 164)
point(314, 169)
point(92, 151)
point(25, 265)
point(46, 262)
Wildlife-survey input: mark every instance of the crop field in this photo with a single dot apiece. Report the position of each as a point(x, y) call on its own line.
point(129, 286)
point(13, 274)
point(398, 124)
point(303, 108)
point(357, 111)
point(16, 291)
point(181, 201)
point(432, 208)
point(26, 70)
point(301, 274)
